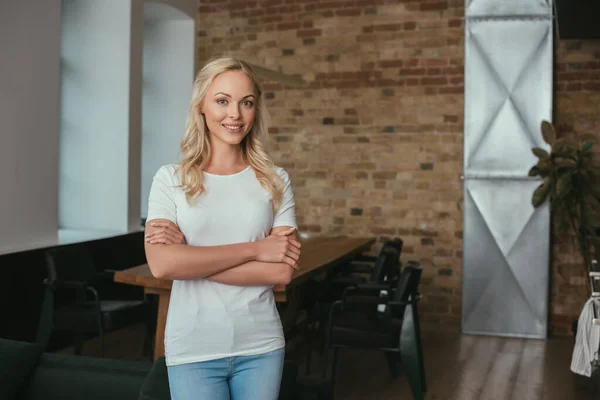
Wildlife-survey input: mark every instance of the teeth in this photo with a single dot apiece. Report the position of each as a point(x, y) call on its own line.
point(232, 126)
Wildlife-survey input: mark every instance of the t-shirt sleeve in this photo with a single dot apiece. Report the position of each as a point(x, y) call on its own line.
point(286, 214)
point(161, 201)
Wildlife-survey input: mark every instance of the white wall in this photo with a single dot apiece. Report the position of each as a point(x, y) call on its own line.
point(167, 88)
point(101, 168)
point(29, 122)
point(96, 113)
point(188, 7)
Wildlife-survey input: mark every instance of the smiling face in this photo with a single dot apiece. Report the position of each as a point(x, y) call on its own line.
point(229, 107)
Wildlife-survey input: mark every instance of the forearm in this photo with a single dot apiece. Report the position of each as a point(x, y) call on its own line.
point(184, 262)
point(254, 273)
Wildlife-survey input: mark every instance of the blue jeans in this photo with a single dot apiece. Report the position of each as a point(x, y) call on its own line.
point(236, 378)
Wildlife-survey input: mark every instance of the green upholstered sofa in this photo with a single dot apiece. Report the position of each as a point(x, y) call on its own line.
point(27, 373)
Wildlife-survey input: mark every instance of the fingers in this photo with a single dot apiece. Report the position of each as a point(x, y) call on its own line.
point(164, 223)
point(291, 241)
point(174, 232)
point(293, 252)
point(161, 225)
point(162, 238)
point(293, 256)
point(161, 241)
point(286, 233)
point(291, 262)
point(173, 237)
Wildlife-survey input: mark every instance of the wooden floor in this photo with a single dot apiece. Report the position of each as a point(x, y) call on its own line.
point(458, 367)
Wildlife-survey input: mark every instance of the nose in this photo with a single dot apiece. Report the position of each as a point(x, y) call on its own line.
point(234, 112)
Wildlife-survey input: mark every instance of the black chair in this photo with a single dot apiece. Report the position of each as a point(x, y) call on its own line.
point(75, 300)
point(385, 267)
point(355, 321)
point(372, 266)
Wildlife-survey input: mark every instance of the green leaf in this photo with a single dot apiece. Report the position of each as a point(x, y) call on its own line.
point(548, 133)
point(540, 194)
point(541, 168)
point(564, 147)
point(534, 171)
point(586, 146)
point(593, 203)
point(562, 162)
point(564, 184)
point(540, 153)
point(590, 217)
point(595, 171)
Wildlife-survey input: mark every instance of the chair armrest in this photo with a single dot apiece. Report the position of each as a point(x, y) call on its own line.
point(359, 268)
point(346, 280)
point(412, 300)
point(60, 284)
point(397, 307)
point(362, 267)
point(366, 289)
point(361, 304)
point(372, 286)
point(81, 287)
point(356, 298)
point(95, 295)
point(362, 258)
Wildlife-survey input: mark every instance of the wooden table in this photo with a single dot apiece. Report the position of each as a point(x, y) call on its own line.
point(319, 255)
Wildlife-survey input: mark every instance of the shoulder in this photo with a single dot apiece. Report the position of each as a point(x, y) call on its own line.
point(282, 173)
point(168, 173)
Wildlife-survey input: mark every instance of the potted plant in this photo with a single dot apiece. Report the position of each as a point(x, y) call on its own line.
point(569, 183)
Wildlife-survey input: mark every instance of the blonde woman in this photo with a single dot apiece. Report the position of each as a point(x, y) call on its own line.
point(222, 226)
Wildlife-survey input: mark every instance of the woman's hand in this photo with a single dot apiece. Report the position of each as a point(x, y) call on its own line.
point(279, 247)
point(164, 232)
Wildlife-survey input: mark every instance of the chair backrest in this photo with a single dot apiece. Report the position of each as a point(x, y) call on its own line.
point(396, 243)
point(382, 263)
point(407, 285)
point(388, 265)
point(70, 263)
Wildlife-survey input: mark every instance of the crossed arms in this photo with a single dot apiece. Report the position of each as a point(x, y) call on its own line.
point(270, 261)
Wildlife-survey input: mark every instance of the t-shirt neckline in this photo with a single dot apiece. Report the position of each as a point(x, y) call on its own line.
point(229, 175)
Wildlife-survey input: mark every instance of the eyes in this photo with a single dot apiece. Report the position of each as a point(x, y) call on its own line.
point(245, 103)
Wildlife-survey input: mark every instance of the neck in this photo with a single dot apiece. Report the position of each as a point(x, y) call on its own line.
point(225, 156)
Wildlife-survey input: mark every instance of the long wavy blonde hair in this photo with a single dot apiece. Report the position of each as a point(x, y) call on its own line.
point(195, 145)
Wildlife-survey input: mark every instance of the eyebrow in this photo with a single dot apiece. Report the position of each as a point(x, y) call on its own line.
point(225, 94)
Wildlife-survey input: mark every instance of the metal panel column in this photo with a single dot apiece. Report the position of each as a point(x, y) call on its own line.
point(508, 92)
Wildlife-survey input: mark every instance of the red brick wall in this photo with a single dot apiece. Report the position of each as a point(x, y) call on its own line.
point(374, 144)
point(577, 111)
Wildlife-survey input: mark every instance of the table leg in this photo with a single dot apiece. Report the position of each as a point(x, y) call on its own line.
point(164, 296)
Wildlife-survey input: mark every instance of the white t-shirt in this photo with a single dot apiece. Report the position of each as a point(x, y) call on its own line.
point(209, 320)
